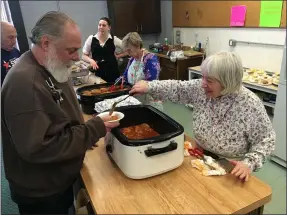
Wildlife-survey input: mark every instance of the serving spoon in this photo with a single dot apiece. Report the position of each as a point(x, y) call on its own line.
point(115, 104)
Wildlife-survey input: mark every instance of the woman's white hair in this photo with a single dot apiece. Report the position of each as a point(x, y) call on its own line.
point(226, 67)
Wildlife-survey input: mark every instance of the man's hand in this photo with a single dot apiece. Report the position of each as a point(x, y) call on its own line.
point(109, 125)
point(241, 170)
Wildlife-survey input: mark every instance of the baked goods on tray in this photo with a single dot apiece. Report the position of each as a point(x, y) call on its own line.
point(261, 77)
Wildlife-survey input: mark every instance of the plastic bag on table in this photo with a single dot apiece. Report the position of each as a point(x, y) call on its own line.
point(207, 170)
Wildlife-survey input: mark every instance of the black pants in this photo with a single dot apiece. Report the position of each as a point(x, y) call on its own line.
point(60, 203)
point(108, 70)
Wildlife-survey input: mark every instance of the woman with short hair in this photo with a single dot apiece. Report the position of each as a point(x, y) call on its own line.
point(229, 119)
point(142, 65)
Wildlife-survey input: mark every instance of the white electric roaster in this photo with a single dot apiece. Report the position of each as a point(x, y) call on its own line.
point(140, 159)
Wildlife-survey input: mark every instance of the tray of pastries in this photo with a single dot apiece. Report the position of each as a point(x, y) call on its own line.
point(275, 78)
point(261, 77)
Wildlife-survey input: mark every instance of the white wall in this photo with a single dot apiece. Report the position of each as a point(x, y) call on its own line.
point(166, 21)
point(33, 10)
point(253, 56)
point(86, 14)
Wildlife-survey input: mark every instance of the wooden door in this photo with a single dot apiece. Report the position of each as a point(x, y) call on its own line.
point(124, 16)
point(149, 16)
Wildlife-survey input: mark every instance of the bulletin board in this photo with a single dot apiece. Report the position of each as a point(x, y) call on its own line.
point(215, 13)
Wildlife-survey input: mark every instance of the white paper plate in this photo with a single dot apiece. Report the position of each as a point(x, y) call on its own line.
point(115, 113)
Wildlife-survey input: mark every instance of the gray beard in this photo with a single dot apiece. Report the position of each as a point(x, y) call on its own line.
point(58, 70)
point(61, 75)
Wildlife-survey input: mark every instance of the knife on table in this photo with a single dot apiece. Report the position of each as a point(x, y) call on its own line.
point(223, 162)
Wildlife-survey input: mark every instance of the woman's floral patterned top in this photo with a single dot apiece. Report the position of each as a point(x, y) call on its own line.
point(233, 126)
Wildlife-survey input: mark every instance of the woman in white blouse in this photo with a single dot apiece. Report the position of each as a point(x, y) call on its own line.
point(99, 51)
point(229, 119)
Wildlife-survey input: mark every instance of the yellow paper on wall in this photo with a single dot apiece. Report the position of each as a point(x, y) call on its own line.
point(270, 13)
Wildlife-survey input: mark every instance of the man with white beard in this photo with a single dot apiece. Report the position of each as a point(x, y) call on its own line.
point(44, 137)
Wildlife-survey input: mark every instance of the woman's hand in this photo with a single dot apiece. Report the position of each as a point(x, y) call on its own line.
point(140, 87)
point(241, 170)
point(94, 64)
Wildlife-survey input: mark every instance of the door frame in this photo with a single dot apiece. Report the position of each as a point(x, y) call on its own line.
point(18, 22)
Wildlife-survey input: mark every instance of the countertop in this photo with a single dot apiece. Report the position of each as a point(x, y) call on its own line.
point(163, 55)
point(183, 190)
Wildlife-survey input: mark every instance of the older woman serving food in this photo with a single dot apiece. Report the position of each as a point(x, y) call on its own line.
point(229, 119)
point(143, 65)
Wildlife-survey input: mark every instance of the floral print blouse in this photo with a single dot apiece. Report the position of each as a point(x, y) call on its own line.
point(151, 67)
point(232, 126)
point(148, 69)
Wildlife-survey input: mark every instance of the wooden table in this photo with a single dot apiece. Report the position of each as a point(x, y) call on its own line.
point(181, 191)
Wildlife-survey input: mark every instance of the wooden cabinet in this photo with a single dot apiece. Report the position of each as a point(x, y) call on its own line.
point(149, 16)
point(167, 73)
point(168, 69)
point(216, 13)
point(177, 70)
point(142, 16)
point(122, 15)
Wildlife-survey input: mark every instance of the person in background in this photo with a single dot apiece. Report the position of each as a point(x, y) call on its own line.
point(143, 65)
point(99, 51)
point(44, 136)
point(9, 54)
point(229, 120)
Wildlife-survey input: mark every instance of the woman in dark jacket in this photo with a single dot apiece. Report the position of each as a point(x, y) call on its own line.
point(99, 51)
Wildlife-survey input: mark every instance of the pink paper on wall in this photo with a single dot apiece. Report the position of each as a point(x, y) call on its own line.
point(238, 15)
